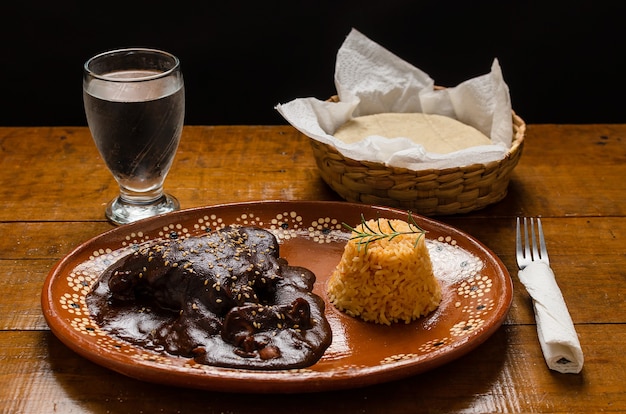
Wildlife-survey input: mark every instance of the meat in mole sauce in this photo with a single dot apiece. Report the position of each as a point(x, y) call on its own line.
point(225, 299)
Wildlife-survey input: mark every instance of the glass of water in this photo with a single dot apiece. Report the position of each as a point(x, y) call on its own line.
point(135, 106)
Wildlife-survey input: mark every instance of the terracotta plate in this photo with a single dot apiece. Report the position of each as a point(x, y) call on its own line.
point(477, 295)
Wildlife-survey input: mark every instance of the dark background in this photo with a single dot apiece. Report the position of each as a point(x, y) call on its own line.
point(563, 61)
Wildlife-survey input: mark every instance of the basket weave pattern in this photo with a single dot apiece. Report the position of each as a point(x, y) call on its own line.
point(428, 192)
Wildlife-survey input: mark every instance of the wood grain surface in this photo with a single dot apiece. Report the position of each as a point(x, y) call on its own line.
point(54, 186)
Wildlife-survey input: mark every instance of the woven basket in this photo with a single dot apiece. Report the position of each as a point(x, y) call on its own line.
point(427, 192)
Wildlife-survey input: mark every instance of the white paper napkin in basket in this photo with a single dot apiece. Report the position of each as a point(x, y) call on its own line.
point(557, 335)
point(370, 79)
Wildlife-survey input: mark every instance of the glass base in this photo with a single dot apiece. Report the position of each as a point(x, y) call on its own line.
point(120, 212)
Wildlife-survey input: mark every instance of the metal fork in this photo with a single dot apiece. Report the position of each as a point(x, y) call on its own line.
point(531, 248)
point(555, 329)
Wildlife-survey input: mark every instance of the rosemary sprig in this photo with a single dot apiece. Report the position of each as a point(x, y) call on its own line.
point(369, 234)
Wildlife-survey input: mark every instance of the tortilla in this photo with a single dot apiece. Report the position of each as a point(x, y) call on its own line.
point(436, 133)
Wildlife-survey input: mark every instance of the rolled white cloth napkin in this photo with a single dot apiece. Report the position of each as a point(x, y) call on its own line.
point(557, 335)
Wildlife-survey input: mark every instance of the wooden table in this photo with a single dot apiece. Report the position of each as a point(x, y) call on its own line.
point(54, 187)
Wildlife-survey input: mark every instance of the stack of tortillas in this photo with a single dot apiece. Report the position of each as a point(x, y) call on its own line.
point(436, 133)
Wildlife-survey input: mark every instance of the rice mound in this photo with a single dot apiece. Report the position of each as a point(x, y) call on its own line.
point(389, 280)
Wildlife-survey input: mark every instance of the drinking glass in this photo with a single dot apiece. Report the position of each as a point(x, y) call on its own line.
point(135, 106)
